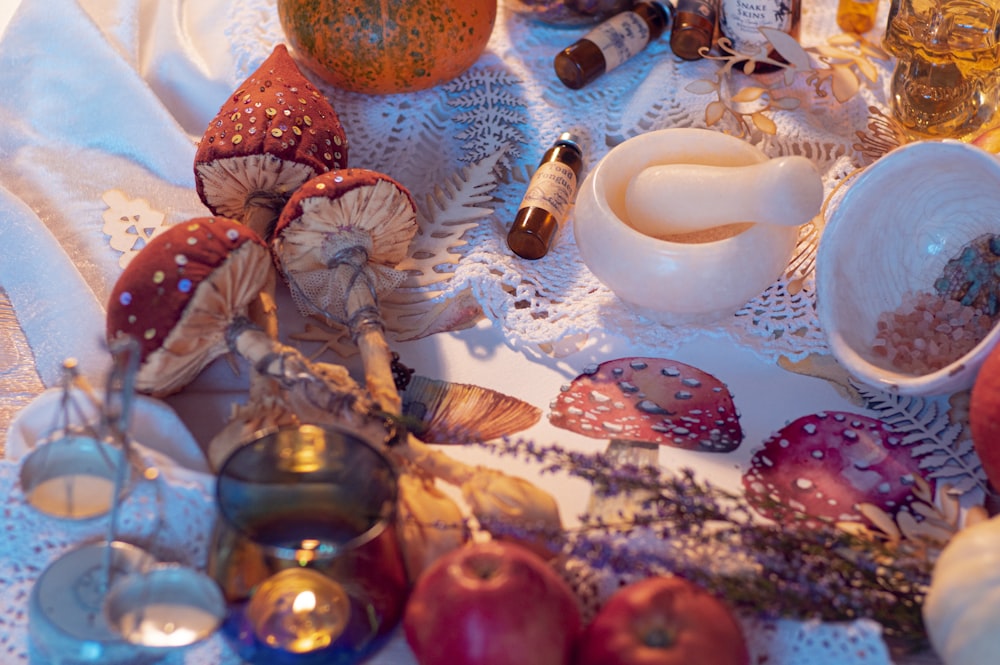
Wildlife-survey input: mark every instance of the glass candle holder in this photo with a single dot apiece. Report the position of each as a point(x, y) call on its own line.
point(305, 547)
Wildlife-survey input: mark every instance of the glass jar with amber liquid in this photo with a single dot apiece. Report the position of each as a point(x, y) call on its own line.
point(946, 80)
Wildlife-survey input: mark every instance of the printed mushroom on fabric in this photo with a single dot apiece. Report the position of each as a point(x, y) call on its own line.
point(651, 400)
point(822, 466)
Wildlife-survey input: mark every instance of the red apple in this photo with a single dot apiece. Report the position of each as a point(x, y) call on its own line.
point(492, 603)
point(663, 621)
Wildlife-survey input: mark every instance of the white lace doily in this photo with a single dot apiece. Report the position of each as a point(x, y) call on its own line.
point(509, 108)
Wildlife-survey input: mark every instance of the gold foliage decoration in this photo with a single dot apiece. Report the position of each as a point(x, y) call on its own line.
point(837, 68)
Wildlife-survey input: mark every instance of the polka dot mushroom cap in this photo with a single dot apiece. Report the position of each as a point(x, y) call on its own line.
point(274, 132)
point(178, 296)
point(651, 400)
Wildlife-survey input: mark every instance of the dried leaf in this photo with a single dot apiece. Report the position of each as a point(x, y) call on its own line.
point(881, 520)
point(951, 506)
point(788, 48)
point(749, 94)
point(867, 69)
point(714, 113)
point(834, 53)
point(925, 530)
point(844, 83)
point(843, 39)
point(764, 124)
point(702, 87)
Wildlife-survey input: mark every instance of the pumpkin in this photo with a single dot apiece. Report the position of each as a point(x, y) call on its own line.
point(378, 46)
point(962, 607)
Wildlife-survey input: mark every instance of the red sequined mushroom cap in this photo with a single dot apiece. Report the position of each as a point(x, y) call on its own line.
point(650, 400)
point(275, 132)
point(178, 296)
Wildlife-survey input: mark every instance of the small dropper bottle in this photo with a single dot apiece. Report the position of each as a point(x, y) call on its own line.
point(856, 16)
point(694, 27)
point(546, 202)
point(612, 42)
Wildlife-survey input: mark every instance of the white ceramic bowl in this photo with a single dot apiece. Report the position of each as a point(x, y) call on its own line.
point(893, 231)
point(676, 282)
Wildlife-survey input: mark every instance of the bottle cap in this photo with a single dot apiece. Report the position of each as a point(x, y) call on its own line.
point(686, 42)
point(568, 138)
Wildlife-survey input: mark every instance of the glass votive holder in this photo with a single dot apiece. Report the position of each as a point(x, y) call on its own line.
point(305, 547)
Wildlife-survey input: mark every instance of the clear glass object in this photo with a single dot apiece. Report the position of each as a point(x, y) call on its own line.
point(165, 605)
point(945, 83)
point(305, 547)
point(66, 619)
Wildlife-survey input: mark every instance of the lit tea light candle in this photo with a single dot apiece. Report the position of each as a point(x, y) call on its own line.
point(168, 605)
point(167, 625)
point(299, 610)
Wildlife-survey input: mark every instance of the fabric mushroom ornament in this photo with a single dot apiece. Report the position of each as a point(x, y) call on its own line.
point(185, 297)
point(273, 134)
point(337, 243)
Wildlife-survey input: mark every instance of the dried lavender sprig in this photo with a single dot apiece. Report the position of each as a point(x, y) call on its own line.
point(789, 571)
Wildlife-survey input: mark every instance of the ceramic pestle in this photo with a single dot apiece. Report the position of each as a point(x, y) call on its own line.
point(671, 199)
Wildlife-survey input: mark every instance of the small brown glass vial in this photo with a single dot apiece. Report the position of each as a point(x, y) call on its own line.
point(694, 28)
point(856, 16)
point(612, 42)
point(546, 202)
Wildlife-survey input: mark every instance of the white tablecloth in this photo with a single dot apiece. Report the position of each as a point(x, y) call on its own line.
point(103, 102)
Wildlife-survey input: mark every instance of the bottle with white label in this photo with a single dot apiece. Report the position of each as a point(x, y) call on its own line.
point(740, 21)
point(547, 200)
point(613, 42)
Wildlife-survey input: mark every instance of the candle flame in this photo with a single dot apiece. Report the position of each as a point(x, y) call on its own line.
point(304, 602)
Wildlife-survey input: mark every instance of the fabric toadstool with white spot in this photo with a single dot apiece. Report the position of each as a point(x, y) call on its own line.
point(650, 400)
point(337, 243)
point(275, 132)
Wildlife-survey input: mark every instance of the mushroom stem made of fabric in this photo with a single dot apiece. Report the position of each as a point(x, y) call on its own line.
point(337, 243)
point(186, 297)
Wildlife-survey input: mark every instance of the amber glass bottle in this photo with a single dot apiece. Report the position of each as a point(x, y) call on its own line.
point(694, 27)
point(857, 16)
point(740, 20)
point(612, 42)
point(546, 202)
